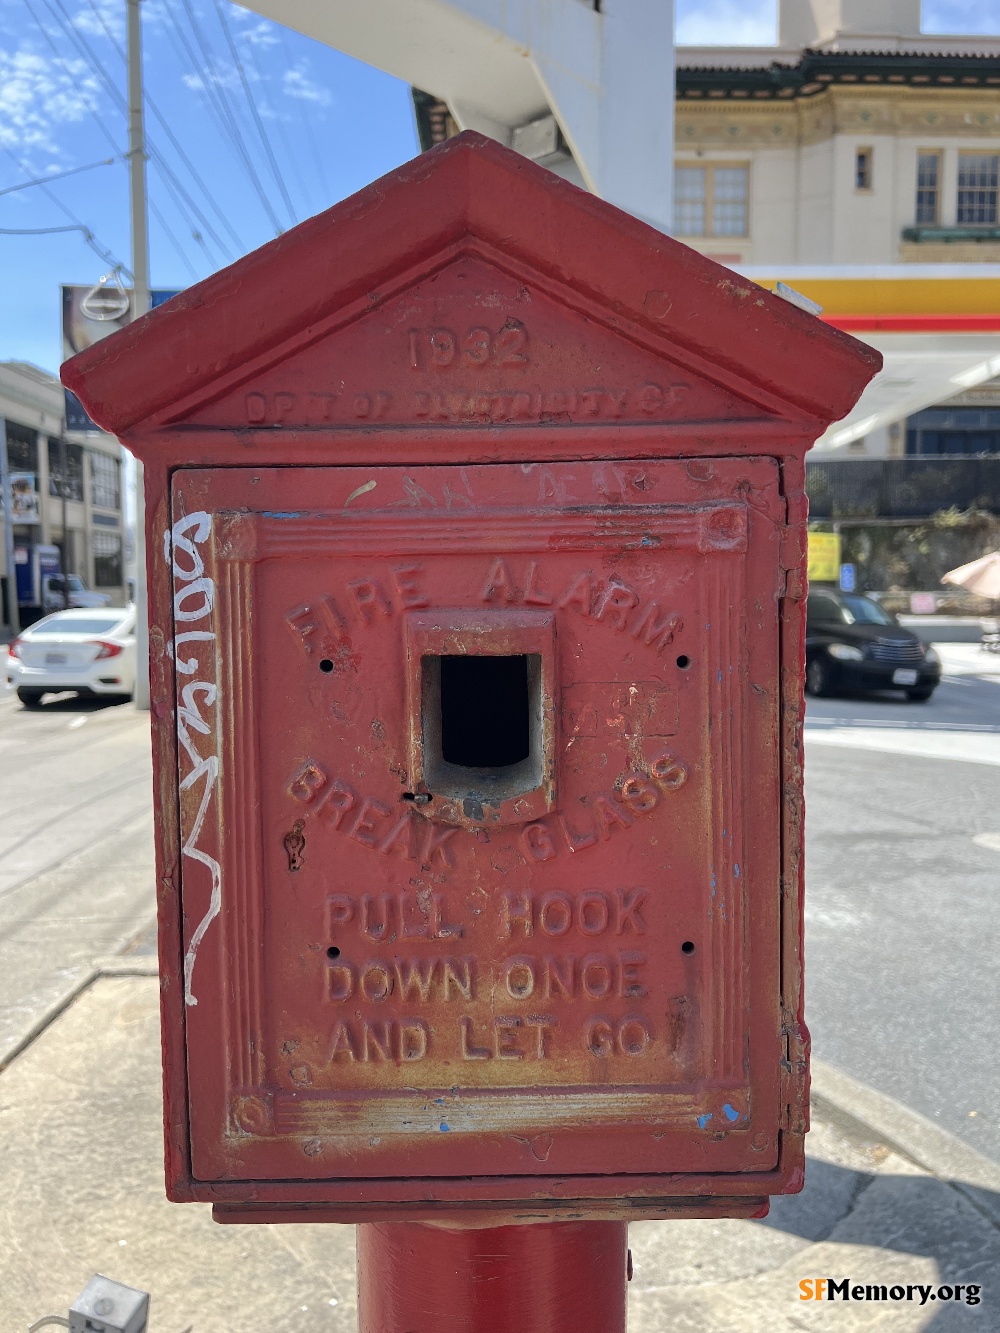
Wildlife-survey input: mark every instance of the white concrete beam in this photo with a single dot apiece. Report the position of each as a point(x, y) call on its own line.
point(605, 73)
point(921, 370)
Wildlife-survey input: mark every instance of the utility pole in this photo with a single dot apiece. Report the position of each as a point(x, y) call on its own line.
point(13, 612)
point(140, 304)
point(64, 493)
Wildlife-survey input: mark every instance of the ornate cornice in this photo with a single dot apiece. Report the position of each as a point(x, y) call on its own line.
point(819, 70)
point(908, 111)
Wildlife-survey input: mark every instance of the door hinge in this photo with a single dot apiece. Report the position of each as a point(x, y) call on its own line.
point(794, 1075)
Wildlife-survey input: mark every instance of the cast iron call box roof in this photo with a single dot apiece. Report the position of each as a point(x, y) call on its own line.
point(476, 548)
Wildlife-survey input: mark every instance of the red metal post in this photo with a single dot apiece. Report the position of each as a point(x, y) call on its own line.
point(551, 1277)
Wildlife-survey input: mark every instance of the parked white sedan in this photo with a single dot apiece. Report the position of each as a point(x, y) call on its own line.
point(90, 650)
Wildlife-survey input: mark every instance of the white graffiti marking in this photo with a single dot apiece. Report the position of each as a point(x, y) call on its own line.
point(194, 598)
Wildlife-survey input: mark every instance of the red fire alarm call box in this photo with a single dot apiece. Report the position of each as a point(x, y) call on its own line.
point(476, 525)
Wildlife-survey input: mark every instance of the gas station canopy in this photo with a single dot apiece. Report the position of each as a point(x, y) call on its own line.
point(936, 325)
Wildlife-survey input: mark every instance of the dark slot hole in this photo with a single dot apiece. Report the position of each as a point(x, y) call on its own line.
point(326, 665)
point(333, 952)
point(683, 661)
point(687, 947)
point(484, 711)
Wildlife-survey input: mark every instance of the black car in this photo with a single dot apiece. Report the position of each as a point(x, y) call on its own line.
point(853, 644)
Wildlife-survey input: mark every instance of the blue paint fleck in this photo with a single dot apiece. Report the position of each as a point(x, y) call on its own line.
point(736, 870)
point(439, 1101)
point(444, 1127)
point(720, 677)
point(729, 1113)
point(704, 1119)
point(281, 513)
point(713, 879)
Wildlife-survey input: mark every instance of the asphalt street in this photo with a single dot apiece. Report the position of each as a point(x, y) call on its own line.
point(903, 894)
point(76, 858)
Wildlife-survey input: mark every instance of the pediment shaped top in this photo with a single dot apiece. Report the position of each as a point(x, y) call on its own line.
point(474, 342)
point(470, 286)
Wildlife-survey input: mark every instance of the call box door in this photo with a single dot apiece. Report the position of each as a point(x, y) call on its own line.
point(479, 774)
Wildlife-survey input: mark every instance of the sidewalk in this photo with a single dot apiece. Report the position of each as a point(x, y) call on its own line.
point(944, 629)
point(890, 1199)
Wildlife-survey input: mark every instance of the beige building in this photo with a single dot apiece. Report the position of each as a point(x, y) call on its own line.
point(855, 140)
point(70, 487)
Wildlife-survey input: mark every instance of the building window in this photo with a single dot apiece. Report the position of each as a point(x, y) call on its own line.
point(965, 431)
point(978, 178)
point(928, 188)
point(711, 200)
point(107, 547)
point(863, 169)
point(74, 470)
point(22, 448)
point(105, 492)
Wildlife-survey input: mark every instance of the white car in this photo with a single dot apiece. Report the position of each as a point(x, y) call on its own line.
point(91, 651)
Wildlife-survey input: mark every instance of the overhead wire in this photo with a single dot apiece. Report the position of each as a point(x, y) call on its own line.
point(107, 255)
point(254, 111)
point(57, 176)
point(208, 87)
point(310, 132)
point(121, 157)
point(291, 156)
point(210, 82)
point(178, 148)
point(118, 98)
point(165, 226)
point(174, 188)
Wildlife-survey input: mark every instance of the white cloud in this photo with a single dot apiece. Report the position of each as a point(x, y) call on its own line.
point(37, 94)
point(261, 35)
point(223, 74)
point(101, 18)
point(296, 82)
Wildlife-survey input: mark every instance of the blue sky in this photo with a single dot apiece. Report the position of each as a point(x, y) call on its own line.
point(316, 127)
point(755, 22)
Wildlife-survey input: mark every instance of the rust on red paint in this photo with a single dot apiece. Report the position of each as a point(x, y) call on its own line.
point(569, 1277)
point(476, 537)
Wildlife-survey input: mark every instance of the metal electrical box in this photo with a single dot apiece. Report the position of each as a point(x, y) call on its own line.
point(476, 540)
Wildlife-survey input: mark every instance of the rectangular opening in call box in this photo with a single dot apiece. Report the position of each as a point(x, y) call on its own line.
point(482, 723)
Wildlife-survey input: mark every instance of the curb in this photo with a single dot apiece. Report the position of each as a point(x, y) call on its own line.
point(936, 1150)
point(912, 1135)
point(121, 964)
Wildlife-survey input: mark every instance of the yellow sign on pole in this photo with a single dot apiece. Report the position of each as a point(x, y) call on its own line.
point(824, 557)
